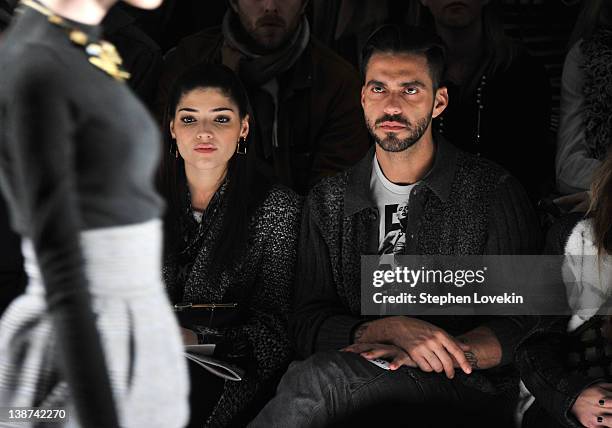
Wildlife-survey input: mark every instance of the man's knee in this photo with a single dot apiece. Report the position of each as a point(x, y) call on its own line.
point(323, 370)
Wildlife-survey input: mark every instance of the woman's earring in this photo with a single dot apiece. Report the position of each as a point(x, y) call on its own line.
point(174, 148)
point(242, 146)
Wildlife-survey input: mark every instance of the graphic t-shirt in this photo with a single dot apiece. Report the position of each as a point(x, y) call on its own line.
point(392, 203)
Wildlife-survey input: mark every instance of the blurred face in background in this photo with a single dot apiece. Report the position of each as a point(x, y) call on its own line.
point(455, 13)
point(269, 22)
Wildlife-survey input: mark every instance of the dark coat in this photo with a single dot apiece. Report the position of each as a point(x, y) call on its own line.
point(464, 206)
point(514, 128)
point(321, 129)
point(141, 56)
point(260, 281)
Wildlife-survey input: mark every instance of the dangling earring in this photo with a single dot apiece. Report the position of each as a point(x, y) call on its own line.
point(241, 149)
point(174, 148)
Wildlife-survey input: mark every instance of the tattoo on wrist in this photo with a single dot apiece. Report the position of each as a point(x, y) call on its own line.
point(472, 359)
point(359, 332)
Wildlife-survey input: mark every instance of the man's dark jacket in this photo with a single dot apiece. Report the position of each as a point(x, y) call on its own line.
point(464, 206)
point(321, 130)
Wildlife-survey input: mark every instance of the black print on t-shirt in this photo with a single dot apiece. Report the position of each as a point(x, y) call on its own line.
point(395, 225)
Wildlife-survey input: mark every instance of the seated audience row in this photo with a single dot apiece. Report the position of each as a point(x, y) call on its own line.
point(453, 203)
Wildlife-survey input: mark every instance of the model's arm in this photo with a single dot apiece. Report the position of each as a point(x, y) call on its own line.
point(43, 136)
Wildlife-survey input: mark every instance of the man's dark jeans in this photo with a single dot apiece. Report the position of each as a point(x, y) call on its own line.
point(336, 388)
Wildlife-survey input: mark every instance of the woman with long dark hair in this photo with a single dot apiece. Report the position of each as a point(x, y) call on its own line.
point(230, 242)
point(94, 333)
point(570, 371)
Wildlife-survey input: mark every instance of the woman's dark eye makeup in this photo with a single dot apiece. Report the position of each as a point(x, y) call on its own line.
point(222, 119)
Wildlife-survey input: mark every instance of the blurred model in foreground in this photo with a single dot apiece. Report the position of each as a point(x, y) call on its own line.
point(94, 332)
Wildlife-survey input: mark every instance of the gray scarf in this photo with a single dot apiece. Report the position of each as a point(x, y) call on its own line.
point(258, 68)
point(262, 70)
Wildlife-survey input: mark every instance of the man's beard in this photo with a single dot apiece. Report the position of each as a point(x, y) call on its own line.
point(390, 143)
point(264, 39)
point(284, 33)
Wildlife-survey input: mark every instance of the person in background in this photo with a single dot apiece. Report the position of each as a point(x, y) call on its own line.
point(586, 102)
point(141, 56)
point(500, 95)
point(306, 115)
point(230, 238)
point(569, 369)
point(77, 165)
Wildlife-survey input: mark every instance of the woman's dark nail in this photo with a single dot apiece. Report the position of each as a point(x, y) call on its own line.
point(599, 419)
point(602, 402)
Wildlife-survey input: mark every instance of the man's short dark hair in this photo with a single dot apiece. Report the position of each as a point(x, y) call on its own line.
point(407, 40)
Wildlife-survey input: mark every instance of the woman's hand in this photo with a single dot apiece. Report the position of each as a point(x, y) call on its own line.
point(593, 407)
point(189, 337)
point(370, 351)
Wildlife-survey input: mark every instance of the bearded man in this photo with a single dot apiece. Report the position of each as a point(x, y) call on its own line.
point(442, 371)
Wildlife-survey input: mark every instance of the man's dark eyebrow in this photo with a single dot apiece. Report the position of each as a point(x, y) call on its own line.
point(414, 83)
point(403, 84)
point(375, 82)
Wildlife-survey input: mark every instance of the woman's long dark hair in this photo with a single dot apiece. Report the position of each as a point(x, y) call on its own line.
point(601, 206)
point(245, 188)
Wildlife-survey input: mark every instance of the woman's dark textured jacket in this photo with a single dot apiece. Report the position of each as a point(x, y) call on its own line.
point(464, 206)
point(542, 358)
point(260, 281)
